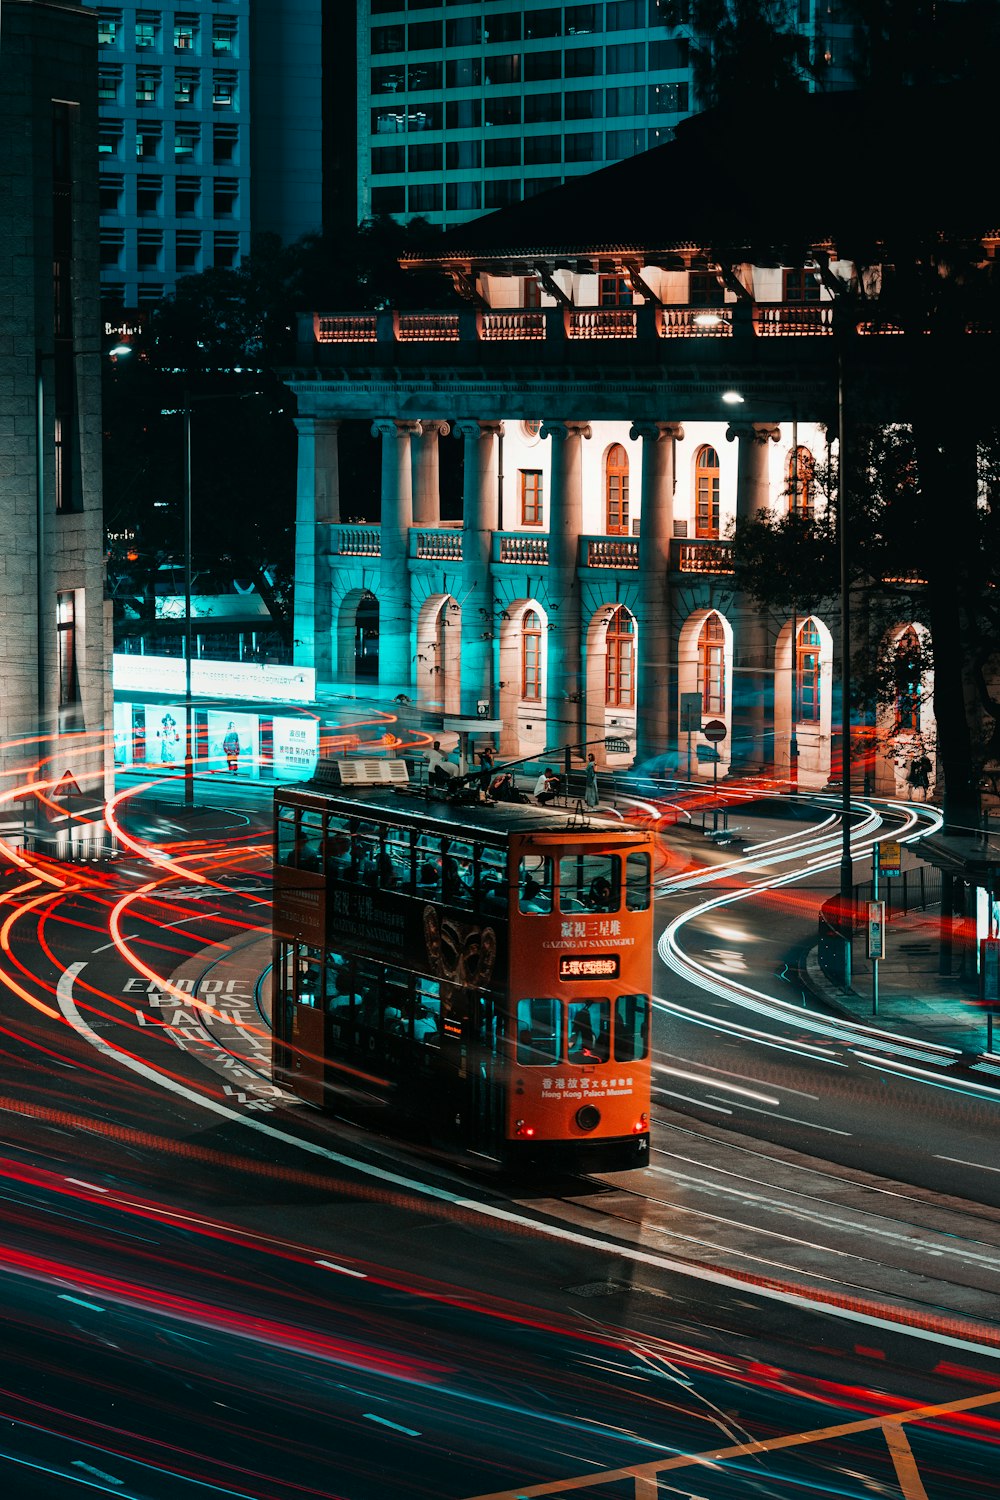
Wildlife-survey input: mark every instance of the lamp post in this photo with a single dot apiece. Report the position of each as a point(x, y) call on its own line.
point(846, 863)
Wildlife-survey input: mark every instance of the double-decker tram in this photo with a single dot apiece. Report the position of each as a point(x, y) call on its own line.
point(483, 968)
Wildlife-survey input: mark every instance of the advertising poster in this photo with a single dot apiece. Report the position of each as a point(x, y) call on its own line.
point(123, 734)
point(166, 730)
point(232, 743)
point(296, 748)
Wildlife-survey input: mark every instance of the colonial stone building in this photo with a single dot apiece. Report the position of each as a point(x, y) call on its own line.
point(54, 633)
point(627, 371)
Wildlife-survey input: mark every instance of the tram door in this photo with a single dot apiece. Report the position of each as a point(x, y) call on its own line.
point(307, 1054)
point(487, 1080)
point(302, 1022)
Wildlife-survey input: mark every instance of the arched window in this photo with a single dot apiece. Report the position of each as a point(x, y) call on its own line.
point(807, 645)
point(619, 682)
point(908, 666)
point(616, 491)
point(801, 482)
point(706, 493)
point(531, 656)
point(712, 665)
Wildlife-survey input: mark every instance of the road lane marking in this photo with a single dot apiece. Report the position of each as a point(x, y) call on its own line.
point(65, 1297)
point(382, 1421)
point(960, 1163)
point(92, 1186)
point(664, 1263)
point(903, 1462)
point(78, 1463)
point(344, 1270)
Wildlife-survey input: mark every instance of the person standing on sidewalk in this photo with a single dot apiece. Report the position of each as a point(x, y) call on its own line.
point(591, 794)
point(231, 748)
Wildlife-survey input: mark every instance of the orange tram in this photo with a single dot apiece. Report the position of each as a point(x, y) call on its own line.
point(484, 969)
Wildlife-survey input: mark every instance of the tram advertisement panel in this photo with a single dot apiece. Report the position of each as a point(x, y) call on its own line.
point(422, 935)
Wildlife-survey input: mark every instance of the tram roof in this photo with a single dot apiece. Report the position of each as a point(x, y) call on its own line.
point(413, 806)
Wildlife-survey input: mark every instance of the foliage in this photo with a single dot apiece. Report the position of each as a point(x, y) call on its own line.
point(742, 50)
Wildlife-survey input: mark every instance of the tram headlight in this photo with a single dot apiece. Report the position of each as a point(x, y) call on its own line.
point(641, 1124)
point(588, 1117)
point(520, 1128)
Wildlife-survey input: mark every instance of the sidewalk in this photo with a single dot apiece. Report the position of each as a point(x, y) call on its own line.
point(914, 998)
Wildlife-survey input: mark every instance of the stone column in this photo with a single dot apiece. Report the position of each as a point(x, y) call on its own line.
point(656, 677)
point(752, 728)
point(426, 474)
point(317, 506)
point(566, 675)
point(394, 645)
point(479, 521)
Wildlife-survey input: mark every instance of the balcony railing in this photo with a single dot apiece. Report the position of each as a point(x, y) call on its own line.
point(707, 556)
point(784, 320)
point(608, 552)
point(443, 545)
point(515, 323)
point(521, 548)
point(427, 327)
point(355, 541)
point(345, 328)
point(694, 322)
point(600, 323)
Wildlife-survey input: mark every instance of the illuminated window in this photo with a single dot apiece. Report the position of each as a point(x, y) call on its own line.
point(531, 656)
point(712, 665)
point(619, 691)
point(799, 285)
point(807, 673)
point(908, 673)
point(613, 291)
point(531, 497)
point(69, 687)
point(706, 491)
point(616, 491)
point(801, 481)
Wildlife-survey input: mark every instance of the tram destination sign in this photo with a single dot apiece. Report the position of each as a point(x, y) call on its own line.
point(589, 965)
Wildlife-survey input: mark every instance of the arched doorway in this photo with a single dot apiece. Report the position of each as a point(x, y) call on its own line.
point(357, 633)
point(437, 669)
point(904, 722)
point(523, 663)
point(705, 667)
point(611, 657)
point(803, 698)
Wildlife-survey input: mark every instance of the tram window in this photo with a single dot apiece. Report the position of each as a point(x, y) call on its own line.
point(457, 887)
point(539, 1022)
point(428, 862)
point(308, 986)
point(637, 882)
point(535, 883)
point(309, 841)
point(396, 1006)
point(396, 860)
point(366, 990)
point(492, 883)
point(631, 1027)
point(286, 836)
point(338, 848)
point(589, 882)
point(427, 1014)
point(365, 853)
point(589, 1031)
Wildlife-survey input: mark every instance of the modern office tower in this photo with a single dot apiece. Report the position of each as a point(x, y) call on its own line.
point(468, 107)
point(54, 642)
point(210, 130)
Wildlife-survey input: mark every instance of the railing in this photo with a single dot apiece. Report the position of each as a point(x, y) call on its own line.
point(427, 327)
point(608, 552)
point(784, 320)
point(438, 546)
point(600, 323)
point(694, 322)
point(518, 323)
point(355, 541)
point(708, 556)
point(345, 328)
point(518, 547)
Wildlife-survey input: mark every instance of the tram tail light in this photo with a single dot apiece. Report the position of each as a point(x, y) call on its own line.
point(641, 1124)
point(520, 1128)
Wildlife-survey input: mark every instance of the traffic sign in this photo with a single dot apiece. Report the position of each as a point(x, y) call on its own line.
point(876, 929)
point(989, 968)
point(714, 730)
point(890, 857)
point(691, 705)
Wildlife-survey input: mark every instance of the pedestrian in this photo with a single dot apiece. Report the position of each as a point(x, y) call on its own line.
point(231, 748)
point(440, 768)
point(918, 777)
point(590, 794)
point(486, 761)
point(546, 787)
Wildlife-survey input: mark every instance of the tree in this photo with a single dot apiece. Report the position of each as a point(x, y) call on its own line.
point(743, 50)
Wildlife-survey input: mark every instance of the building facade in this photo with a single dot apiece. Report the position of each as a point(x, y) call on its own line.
point(210, 130)
point(468, 108)
point(54, 624)
point(622, 391)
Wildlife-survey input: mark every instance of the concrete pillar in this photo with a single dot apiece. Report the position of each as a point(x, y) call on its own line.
point(566, 676)
point(317, 506)
point(656, 677)
point(427, 474)
point(752, 728)
point(394, 644)
point(479, 521)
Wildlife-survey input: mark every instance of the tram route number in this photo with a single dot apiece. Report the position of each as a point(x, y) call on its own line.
point(589, 966)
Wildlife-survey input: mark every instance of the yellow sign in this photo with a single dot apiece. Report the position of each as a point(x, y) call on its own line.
point(889, 857)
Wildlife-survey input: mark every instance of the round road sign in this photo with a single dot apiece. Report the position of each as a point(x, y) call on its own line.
point(714, 730)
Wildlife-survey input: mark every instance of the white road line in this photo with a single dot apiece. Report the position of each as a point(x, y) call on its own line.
point(960, 1163)
point(128, 938)
point(92, 1186)
point(493, 1212)
point(371, 1417)
point(330, 1265)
